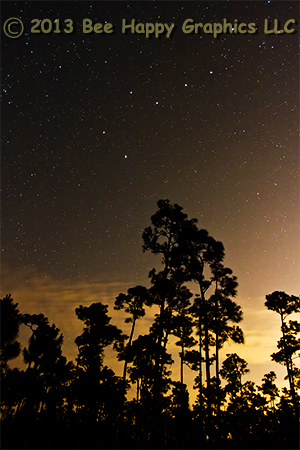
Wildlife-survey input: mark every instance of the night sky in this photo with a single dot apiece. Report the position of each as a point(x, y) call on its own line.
point(97, 128)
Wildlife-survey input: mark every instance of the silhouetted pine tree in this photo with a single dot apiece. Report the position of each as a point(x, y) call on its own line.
point(285, 305)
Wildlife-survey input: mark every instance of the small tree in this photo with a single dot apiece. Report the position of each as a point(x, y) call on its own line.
point(133, 303)
point(288, 346)
point(44, 348)
point(224, 311)
point(10, 324)
point(48, 371)
point(97, 334)
point(182, 325)
point(285, 305)
point(142, 372)
point(233, 368)
point(269, 388)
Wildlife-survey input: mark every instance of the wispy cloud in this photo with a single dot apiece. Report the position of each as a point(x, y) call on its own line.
point(39, 293)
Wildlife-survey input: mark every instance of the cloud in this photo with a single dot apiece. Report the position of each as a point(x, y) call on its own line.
point(37, 292)
point(57, 299)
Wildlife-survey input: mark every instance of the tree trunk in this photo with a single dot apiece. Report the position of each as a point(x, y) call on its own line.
point(121, 430)
point(157, 365)
point(157, 377)
point(181, 397)
point(137, 390)
point(207, 367)
point(217, 365)
point(165, 341)
point(181, 366)
point(126, 362)
point(287, 362)
point(200, 370)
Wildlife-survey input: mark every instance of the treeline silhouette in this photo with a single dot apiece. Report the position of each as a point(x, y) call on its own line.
point(55, 403)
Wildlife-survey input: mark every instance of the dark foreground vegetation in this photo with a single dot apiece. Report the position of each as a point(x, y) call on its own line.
point(56, 403)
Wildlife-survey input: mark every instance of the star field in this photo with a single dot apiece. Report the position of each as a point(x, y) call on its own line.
point(97, 128)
